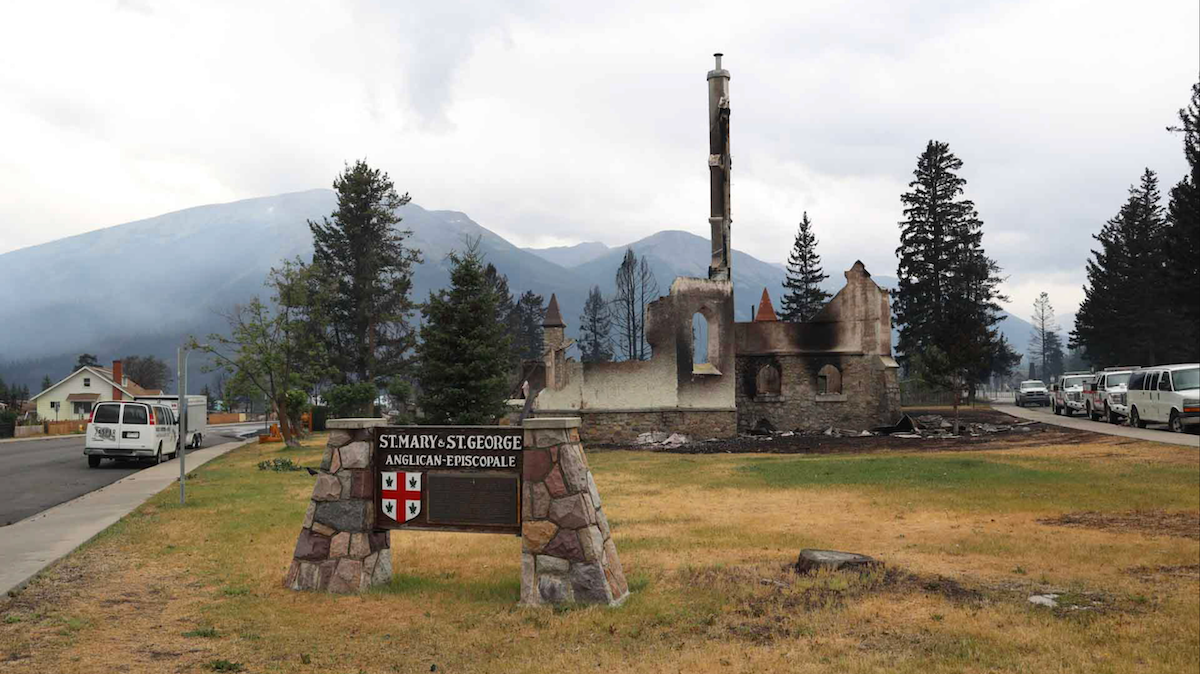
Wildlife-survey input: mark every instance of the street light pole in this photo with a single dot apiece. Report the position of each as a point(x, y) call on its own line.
point(182, 357)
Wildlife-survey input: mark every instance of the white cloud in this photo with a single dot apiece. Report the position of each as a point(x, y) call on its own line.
point(557, 123)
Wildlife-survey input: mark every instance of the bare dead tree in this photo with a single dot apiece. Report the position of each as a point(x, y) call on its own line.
point(625, 312)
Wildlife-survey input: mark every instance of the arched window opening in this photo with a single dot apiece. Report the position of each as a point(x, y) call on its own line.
point(829, 381)
point(706, 347)
point(767, 383)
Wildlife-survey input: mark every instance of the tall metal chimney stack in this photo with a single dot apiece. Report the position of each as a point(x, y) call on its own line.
point(719, 169)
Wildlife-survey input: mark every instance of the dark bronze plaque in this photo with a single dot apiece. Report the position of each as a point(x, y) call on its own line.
point(465, 499)
point(456, 478)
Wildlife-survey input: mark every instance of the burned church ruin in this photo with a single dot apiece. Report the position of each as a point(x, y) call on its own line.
point(835, 370)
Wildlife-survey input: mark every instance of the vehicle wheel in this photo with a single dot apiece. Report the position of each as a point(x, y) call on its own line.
point(1176, 424)
point(1054, 408)
point(1092, 413)
point(93, 461)
point(1135, 419)
point(1112, 416)
point(1019, 403)
point(158, 458)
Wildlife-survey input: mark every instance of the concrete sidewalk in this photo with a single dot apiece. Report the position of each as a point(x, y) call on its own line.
point(1082, 423)
point(35, 542)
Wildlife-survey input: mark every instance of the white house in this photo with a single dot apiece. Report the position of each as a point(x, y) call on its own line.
point(74, 396)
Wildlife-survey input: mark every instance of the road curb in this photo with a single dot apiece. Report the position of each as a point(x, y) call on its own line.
point(33, 544)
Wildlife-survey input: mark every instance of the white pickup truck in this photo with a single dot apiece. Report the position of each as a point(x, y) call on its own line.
point(1106, 397)
point(1066, 397)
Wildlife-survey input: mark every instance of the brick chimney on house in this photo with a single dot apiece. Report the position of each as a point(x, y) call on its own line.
point(118, 375)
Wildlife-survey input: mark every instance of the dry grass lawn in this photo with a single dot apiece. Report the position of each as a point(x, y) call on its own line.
point(965, 537)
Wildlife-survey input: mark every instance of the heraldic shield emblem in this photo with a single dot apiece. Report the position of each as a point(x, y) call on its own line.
point(401, 495)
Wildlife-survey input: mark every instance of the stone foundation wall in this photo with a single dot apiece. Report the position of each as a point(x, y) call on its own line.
point(339, 549)
point(619, 427)
point(567, 551)
point(870, 393)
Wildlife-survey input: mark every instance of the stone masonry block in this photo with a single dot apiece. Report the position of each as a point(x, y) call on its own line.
point(570, 461)
point(552, 565)
point(323, 529)
point(327, 488)
point(535, 535)
point(380, 540)
point(308, 515)
point(550, 436)
point(359, 546)
point(535, 464)
point(539, 501)
point(592, 490)
point(347, 576)
point(565, 544)
point(529, 588)
point(340, 545)
point(554, 482)
point(311, 546)
point(572, 512)
point(382, 574)
point(592, 543)
point(337, 439)
point(554, 589)
point(361, 483)
point(589, 585)
point(344, 515)
point(356, 455)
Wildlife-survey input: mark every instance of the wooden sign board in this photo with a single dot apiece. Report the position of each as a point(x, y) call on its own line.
point(448, 478)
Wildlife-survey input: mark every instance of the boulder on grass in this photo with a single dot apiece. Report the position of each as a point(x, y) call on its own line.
point(811, 560)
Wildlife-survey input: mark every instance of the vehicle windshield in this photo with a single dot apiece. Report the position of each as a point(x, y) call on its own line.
point(1186, 379)
point(1071, 382)
point(1119, 379)
point(1026, 385)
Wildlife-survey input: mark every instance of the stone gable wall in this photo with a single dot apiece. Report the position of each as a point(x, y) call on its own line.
point(870, 394)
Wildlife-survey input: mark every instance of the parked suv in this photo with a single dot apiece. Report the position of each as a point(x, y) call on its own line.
point(130, 430)
point(1107, 397)
point(1166, 394)
point(1032, 391)
point(1068, 393)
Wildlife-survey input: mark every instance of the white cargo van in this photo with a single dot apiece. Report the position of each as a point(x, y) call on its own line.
point(1165, 394)
point(130, 430)
point(197, 415)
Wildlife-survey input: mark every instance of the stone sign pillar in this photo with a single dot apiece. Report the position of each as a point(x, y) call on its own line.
point(339, 549)
point(567, 551)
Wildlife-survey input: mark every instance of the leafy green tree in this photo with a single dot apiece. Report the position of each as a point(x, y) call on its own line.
point(273, 348)
point(464, 350)
point(803, 296)
point(85, 360)
point(352, 400)
point(1125, 316)
point(368, 272)
point(147, 371)
point(948, 296)
point(595, 342)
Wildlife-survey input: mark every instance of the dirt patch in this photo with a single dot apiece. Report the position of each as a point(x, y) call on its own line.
point(1153, 572)
point(1155, 522)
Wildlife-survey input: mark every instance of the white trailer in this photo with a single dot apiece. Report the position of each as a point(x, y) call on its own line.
point(197, 415)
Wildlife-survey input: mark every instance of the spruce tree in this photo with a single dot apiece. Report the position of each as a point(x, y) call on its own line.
point(1183, 237)
point(1125, 316)
point(529, 312)
point(947, 303)
point(803, 297)
point(46, 382)
point(595, 342)
point(1042, 338)
point(363, 257)
point(464, 350)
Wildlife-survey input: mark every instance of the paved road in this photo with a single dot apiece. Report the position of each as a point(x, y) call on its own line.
point(39, 474)
point(1153, 432)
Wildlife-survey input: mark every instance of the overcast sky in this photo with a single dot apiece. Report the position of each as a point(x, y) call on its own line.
point(554, 123)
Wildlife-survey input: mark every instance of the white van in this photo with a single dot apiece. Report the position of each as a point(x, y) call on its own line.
point(130, 430)
point(1165, 394)
point(197, 415)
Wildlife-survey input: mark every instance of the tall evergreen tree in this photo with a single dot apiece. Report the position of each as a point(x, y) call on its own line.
point(46, 382)
point(595, 342)
point(803, 297)
point(1125, 316)
point(947, 304)
point(1044, 337)
point(529, 314)
point(636, 289)
point(464, 350)
point(364, 259)
point(1183, 235)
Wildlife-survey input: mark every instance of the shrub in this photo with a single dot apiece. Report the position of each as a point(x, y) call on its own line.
point(351, 400)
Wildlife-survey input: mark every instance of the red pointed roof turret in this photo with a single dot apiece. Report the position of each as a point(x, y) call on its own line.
point(553, 317)
point(766, 312)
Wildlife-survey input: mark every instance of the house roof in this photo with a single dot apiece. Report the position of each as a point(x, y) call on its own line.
point(130, 388)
